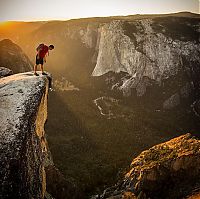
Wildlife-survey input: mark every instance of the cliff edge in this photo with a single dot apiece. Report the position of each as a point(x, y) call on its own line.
point(23, 112)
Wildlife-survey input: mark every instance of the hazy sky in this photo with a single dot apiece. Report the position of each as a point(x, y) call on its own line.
point(66, 9)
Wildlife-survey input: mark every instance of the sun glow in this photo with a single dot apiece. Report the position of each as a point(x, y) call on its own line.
point(23, 10)
point(5, 23)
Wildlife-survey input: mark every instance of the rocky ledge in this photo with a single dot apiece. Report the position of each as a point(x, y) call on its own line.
point(168, 170)
point(5, 72)
point(23, 112)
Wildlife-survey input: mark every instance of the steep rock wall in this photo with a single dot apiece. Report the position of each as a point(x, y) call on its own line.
point(23, 112)
point(148, 50)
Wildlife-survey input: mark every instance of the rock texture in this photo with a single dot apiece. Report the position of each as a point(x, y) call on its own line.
point(5, 72)
point(26, 165)
point(194, 196)
point(168, 170)
point(172, 102)
point(23, 112)
point(147, 49)
point(13, 57)
point(140, 50)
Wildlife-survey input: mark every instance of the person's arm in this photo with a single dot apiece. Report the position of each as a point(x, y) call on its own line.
point(45, 58)
point(38, 54)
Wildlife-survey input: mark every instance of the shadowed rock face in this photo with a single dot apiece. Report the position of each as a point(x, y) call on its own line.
point(168, 170)
point(23, 112)
point(194, 196)
point(5, 72)
point(59, 187)
point(12, 57)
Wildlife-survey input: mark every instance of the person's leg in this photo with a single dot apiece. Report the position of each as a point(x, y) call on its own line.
point(35, 69)
point(36, 64)
point(42, 64)
point(42, 68)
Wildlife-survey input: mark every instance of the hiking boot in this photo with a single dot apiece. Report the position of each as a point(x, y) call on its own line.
point(36, 74)
point(44, 73)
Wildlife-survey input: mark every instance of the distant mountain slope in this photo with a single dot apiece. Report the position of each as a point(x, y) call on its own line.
point(16, 29)
point(160, 54)
point(13, 57)
point(76, 40)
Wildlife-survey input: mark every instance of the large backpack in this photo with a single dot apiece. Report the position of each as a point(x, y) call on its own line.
point(40, 47)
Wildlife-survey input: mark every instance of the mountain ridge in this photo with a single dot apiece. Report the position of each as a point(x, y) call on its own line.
point(13, 57)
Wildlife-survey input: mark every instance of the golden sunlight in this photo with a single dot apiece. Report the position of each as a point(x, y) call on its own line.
point(6, 24)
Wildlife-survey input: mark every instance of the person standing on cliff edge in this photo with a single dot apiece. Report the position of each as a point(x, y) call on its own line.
point(42, 53)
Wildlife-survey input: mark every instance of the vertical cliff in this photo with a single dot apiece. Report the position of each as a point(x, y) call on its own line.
point(149, 51)
point(23, 112)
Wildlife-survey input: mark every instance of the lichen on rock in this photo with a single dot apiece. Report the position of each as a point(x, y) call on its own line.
point(167, 170)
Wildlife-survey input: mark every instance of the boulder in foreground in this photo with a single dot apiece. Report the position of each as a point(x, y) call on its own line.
point(168, 170)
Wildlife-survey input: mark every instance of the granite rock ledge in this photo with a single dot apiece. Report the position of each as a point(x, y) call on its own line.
point(23, 113)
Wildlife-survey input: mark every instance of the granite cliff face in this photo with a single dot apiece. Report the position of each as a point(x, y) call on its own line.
point(23, 112)
point(147, 52)
point(26, 166)
point(13, 57)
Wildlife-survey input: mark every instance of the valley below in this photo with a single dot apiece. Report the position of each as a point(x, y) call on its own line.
point(94, 150)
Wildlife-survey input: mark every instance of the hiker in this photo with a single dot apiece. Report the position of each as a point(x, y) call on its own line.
point(42, 52)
